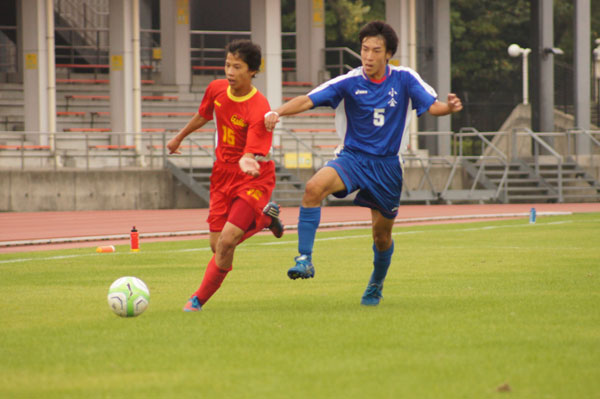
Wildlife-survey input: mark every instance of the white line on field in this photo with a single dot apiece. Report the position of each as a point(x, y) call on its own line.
point(398, 233)
point(46, 258)
point(359, 223)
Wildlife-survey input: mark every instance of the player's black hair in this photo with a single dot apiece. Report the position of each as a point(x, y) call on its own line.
point(247, 51)
point(380, 28)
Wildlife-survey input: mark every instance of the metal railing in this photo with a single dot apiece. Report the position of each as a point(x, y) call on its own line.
point(84, 14)
point(94, 150)
point(480, 161)
point(298, 146)
point(538, 143)
point(345, 58)
point(92, 13)
point(96, 50)
point(8, 51)
point(593, 137)
point(89, 43)
point(486, 144)
point(93, 50)
point(208, 48)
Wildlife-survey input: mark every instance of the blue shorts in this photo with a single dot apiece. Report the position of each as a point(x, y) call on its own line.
point(379, 179)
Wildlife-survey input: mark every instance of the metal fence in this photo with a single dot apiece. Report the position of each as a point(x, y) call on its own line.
point(499, 150)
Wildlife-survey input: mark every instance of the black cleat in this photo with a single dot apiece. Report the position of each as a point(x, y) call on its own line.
point(276, 227)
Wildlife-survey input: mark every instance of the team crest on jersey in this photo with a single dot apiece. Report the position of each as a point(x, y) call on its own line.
point(238, 121)
point(254, 193)
point(392, 94)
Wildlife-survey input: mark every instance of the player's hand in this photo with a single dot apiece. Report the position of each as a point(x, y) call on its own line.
point(454, 103)
point(271, 119)
point(249, 166)
point(173, 146)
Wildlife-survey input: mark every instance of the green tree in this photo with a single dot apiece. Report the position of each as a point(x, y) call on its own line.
point(483, 73)
point(345, 18)
point(481, 33)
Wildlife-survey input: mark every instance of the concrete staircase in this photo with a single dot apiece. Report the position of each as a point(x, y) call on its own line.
point(288, 189)
point(11, 107)
point(526, 183)
point(76, 113)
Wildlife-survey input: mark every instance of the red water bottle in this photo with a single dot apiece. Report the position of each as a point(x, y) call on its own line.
point(135, 240)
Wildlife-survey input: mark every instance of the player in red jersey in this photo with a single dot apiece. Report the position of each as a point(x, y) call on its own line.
point(242, 178)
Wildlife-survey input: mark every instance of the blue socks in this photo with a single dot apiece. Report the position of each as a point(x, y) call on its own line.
point(308, 222)
point(381, 263)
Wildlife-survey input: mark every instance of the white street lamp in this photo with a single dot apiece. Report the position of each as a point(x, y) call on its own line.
point(514, 50)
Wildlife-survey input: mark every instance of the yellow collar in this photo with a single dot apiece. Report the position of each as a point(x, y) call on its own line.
point(242, 98)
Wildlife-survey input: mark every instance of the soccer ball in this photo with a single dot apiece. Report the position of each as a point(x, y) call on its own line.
point(128, 296)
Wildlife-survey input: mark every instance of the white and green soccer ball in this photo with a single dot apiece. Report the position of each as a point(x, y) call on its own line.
point(128, 296)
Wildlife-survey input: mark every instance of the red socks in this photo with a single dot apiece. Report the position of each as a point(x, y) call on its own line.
point(213, 278)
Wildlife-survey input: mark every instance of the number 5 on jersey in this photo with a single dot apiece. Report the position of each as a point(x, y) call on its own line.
point(228, 135)
point(378, 116)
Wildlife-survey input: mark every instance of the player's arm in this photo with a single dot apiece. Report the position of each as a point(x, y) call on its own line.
point(439, 108)
point(258, 143)
point(292, 107)
point(249, 165)
point(194, 124)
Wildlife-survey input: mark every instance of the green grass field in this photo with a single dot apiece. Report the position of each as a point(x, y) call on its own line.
point(468, 307)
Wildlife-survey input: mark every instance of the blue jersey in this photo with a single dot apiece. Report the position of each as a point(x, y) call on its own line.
point(372, 117)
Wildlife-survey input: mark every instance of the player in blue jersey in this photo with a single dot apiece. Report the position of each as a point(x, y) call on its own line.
point(372, 105)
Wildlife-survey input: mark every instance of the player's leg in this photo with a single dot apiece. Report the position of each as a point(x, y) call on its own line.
point(269, 218)
point(383, 248)
point(228, 240)
point(381, 188)
point(218, 267)
point(323, 183)
point(213, 239)
point(256, 194)
point(219, 207)
point(221, 263)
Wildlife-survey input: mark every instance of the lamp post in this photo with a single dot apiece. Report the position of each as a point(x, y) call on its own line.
point(514, 50)
point(596, 54)
point(597, 79)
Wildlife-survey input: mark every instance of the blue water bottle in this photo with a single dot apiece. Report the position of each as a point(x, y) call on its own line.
point(532, 215)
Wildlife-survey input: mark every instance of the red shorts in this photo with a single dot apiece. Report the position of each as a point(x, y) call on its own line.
point(228, 182)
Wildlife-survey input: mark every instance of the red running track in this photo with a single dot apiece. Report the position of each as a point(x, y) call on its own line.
point(191, 223)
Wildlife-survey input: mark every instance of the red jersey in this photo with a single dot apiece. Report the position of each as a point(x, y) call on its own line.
point(239, 120)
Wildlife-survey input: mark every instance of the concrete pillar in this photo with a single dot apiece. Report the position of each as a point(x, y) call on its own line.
point(582, 45)
point(20, 53)
point(398, 17)
point(35, 67)
point(425, 22)
point(399, 14)
point(51, 73)
point(310, 41)
point(434, 67)
point(542, 80)
point(121, 69)
point(265, 24)
point(442, 69)
point(175, 43)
